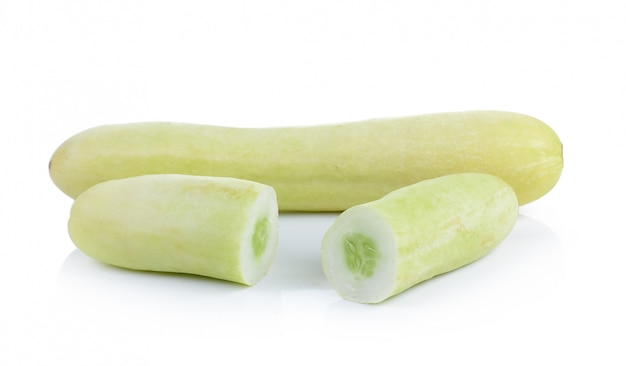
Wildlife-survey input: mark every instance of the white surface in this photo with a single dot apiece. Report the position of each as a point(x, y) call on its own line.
point(550, 294)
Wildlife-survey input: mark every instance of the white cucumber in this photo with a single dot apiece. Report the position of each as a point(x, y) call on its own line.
point(324, 167)
point(223, 228)
point(381, 248)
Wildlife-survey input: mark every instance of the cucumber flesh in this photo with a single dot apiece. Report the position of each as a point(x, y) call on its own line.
point(367, 272)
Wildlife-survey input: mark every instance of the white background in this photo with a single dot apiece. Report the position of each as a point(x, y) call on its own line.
point(550, 293)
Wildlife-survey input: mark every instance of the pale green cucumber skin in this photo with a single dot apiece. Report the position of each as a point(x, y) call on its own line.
point(324, 167)
point(171, 223)
point(438, 225)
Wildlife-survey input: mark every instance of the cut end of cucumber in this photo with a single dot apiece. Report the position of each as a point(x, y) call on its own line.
point(260, 237)
point(359, 255)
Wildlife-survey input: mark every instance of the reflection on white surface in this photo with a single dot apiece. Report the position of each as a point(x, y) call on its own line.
point(295, 299)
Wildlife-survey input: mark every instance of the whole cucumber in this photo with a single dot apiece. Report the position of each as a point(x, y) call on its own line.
point(324, 167)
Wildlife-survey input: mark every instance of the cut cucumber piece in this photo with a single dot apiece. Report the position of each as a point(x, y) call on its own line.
point(381, 248)
point(223, 228)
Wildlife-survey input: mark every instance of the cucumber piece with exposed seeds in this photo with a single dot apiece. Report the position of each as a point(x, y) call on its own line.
point(223, 228)
point(381, 248)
